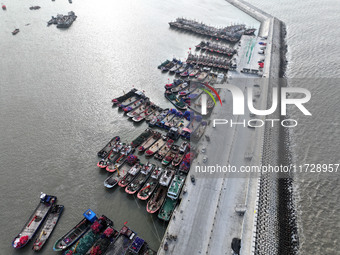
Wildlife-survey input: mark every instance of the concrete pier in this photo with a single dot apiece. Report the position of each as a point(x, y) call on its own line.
point(205, 222)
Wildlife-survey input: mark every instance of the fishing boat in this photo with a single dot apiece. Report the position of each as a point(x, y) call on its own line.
point(166, 177)
point(35, 221)
point(141, 138)
point(176, 186)
point(184, 147)
point(124, 154)
point(167, 209)
point(120, 99)
point(76, 233)
point(156, 146)
point(124, 163)
point(15, 31)
point(164, 150)
point(150, 185)
point(154, 114)
point(159, 117)
point(177, 66)
point(131, 175)
point(137, 111)
point(49, 225)
point(135, 105)
point(143, 115)
point(173, 122)
point(164, 64)
point(180, 87)
point(182, 69)
point(174, 84)
point(112, 180)
point(171, 114)
point(136, 246)
point(112, 156)
point(170, 155)
point(186, 162)
point(36, 7)
point(104, 152)
point(156, 199)
point(100, 246)
point(123, 242)
point(140, 180)
point(87, 240)
point(149, 142)
point(168, 66)
point(129, 101)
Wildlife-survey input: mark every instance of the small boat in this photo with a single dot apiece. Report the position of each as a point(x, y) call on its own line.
point(170, 155)
point(186, 162)
point(150, 185)
point(122, 243)
point(184, 147)
point(35, 7)
point(120, 99)
point(136, 246)
point(100, 246)
point(149, 142)
point(173, 122)
point(139, 181)
point(112, 156)
point(182, 69)
point(167, 209)
point(200, 45)
point(135, 105)
point(104, 152)
point(35, 221)
point(87, 240)
point(168, 66)
point(137, 111)
point(194, 73)
point(124, 154)
point(174, 84)
point(164, 64)
point(75, 233)
point(176, 67)
point(124, 161)
point(112, 180)
point(166, 177)
point(164, 150)
point(143, 115)
point(180, 87)
point(154, 114)
point(159, 117)
point(156, 199)
point(49, 225)
point(176, 186)
point(171, 114)
point(156, 146)
point(15, 31)
point(175, 100)
point(141, 138)
point(130, 176)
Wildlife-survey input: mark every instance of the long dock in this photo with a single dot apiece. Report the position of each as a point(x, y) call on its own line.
point(206, 220)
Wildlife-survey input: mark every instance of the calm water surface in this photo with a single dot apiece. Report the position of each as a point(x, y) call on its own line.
point(55, 93)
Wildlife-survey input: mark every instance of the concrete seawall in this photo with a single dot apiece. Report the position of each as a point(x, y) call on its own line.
point(205, 221)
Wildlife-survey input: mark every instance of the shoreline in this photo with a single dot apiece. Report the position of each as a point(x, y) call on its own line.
point(261, 231)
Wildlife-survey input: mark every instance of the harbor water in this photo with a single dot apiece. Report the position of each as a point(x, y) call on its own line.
point(56, 88)
point(55, 100)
